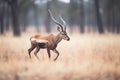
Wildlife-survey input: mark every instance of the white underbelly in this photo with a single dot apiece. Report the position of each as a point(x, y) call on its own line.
point(39, 40)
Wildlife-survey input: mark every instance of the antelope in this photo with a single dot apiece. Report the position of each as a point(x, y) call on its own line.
point(49, 41)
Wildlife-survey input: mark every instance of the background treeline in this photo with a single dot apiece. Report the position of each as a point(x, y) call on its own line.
point(91, 15)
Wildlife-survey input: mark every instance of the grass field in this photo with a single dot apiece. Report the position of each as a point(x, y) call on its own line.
point(84, 57)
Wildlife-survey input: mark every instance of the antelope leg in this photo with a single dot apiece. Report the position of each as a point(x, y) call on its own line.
point(55, 51)
point(48, 51)
point(36, 51)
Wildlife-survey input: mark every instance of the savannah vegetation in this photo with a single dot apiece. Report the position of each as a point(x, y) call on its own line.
point(93, 52)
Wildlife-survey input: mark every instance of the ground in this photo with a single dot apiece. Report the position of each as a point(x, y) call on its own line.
point(84, 57)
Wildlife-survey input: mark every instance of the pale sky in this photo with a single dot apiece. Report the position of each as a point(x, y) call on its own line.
point(66, 1)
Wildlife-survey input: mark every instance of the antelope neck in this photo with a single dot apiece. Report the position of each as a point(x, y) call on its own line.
point(58, 39)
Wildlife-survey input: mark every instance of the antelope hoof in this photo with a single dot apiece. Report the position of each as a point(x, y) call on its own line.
point(55, 59)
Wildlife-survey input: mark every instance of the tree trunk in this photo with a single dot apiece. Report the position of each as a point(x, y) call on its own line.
point(7, 17)
point(81, 17)
point(15, 22)
point(71, 14)
point(36, 19)
point(98, 17)
point(47, 21)
point(24, 21)
point(2, 12)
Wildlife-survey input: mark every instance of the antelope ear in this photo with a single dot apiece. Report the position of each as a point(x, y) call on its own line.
point(58, 28)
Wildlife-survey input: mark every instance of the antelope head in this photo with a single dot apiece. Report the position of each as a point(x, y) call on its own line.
point(61, 28)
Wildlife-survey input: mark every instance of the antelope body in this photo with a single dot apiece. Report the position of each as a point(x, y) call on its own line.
point(49, 41)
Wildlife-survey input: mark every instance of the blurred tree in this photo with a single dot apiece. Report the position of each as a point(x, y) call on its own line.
point(15, 13)
point(72, 9)
point(23, 13)
point(19, 14)
point(47, 20)
point(115, 11)
point(15, 20)
point(2, 16)
point(7, 17)
point(81, 18)
point(111, 12)
point(76, 14)
point(36, 17)
point(98, 17)
point(25, 6)
point(89, 15)
point(24, 19)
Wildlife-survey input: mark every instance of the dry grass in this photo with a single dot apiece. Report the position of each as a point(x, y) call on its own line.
point(85, 57)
